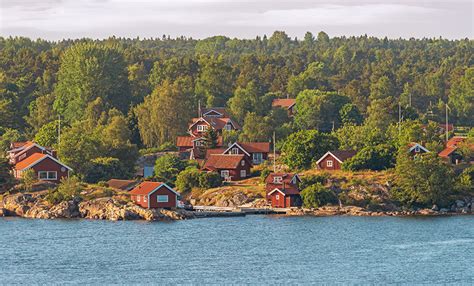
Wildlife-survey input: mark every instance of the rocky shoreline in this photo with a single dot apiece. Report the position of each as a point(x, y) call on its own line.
point(33, 206)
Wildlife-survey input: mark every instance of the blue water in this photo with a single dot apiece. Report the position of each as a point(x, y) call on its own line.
point(252, 249)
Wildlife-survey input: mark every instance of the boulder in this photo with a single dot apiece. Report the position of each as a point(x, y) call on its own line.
point(66, 209)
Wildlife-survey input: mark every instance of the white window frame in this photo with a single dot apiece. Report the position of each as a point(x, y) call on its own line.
point(50, 175)
point(257, 157)
point(198, 143)
point(417, 149)
point(202, 128)
point(242, 163)
point(145, 199)
point(162, 198)
point(234, 151)
point(277, 180)
point(277, 197)
point(225, 173)
point(138, 198)
point(243, 173)
point(228, 127)
point(329, 163)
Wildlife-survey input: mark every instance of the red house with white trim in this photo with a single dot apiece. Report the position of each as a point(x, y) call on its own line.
point(257, 152)
point(152, 195)
point(283, 190)
point(46, 167)
point(22, 150)
point(229, 167)
point(333, 160)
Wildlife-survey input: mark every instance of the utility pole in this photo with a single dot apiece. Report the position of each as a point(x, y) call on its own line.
point(59, 130)
point(274, 153)
point(447, 125)
point(399, 118)
point(199, 108)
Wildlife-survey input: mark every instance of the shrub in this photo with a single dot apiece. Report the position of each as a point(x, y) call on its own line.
point(264, 174)
point(167, 168)
point(193, 178)
point(104, 169)
point(68, 189)
point(29, 178)
point(310, 180)
point(374, 158)
point(317, 195)
point(210, 180)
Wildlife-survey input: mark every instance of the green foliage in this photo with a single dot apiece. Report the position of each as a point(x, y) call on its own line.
point(47, 135)
point(376, 158)
point(69, 188)
point(423, 181)
point(317, 195)
point(211, 138)
point(314, 77)
point(462, 96)
point(193, 178)
point(310, 180)
point(167, 168)
point(28, 179)
point(349, 114)
point(319, 110)
point(356, 137)
point(104, 169)
point(465, 181)
point(6, 177)
point(9, 136)
point(89, 71)
point(304, 147)
point(230, 136)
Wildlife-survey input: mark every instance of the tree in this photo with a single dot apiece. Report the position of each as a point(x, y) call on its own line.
point(193, 178)
point(249, 99)
point(314, 77)
point(29, 178)
point(167, 168)
point(9, 136)
point(303, 148)
point(256, 128)
point(376, 158)
point(423, 181)
point(462, 96)
point(6, 178)
point(88, 71)
point(356, 137)
point(350, 114)
point(69, 189)
point(104, 169)
point(317, 195)
point(381, 110)
point(214, 83)
point(41, 112)
point(210, 138)
point(318, 109)
point(47, 135)
point(166, 112)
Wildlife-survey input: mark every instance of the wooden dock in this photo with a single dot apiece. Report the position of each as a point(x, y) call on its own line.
point(232, 211)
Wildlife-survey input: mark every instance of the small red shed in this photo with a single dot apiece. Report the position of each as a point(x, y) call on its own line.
point(333, 160)
point(152, 195)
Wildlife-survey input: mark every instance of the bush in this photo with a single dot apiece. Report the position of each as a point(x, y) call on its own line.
point(310, 180)
point(193, 178)
point(317, 195)
point(104, 169)
point(167, 168)
point(68, 189)
point(168, 146)
point(29, 178)
point(376, 158)
point(264, 174)
point(465, 181)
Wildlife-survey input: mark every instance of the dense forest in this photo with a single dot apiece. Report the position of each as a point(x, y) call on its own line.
point(117, 96)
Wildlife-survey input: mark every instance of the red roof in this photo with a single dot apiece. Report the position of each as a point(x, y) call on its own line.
point(217, 123)
point(34, 158)
point(453, 142)
point(221, 110)
point(185, 141)
point(255, 147)
point(284, 102)
point(15, 145)
point(220, 161)
point(447, 151)
point(210, 152)
point(145, 188)
point(340, 155)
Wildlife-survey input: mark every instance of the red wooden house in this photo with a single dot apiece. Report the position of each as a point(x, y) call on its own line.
point(152, 195)
point(451, 152)
point(230, 167)
point(46, 167)
point(193, 148)
point(416, 149)
point(283, 190)
point(287, 103)
point(199, 126)
point(22, 150)
point(256, 152)
point(333, 160)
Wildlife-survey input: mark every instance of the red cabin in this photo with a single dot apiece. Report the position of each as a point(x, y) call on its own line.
point(283, 190)
point(230, 167)
point(333, 160)
point(46, 167)
point(152, 195)
point(287, 103)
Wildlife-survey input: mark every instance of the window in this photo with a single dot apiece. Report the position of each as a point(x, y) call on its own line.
point(202, 128)
point(243, 173)
point(277, 180)
point(329, 163)
point(138, 198)
point(162, 198)
point(234, 151)
point(277, 197)
point(47, 175)
point(144, 199)
point(225, 173)
point(242, 162)
point(257, 157)
point(417, 149)
point(228, 127)
point(198, 143)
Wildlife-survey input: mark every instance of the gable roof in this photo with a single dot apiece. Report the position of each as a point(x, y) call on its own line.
point(339, 155)
point(256, 147)
point(124, 185)
point(413, 145)
point(223, 161)
point(447, 151)
point(210, 152)
point(284, 102)
point(219, 110)
point(16, 145)
point(184, 141)
point(456, 140)
point(287, 177)
point(236, 145)
point(287, 190)
point(147, 188)
point(35, 159)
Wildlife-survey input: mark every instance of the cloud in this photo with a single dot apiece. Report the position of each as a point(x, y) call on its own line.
point(55, 19)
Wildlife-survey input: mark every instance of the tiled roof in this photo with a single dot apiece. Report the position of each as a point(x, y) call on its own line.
point(219, 161)
point(288, 190)
point(255, 147)
point(185, 141)
point(447, 151)
point(284, 102)
point(29, 161)
point(210, 152)
point(145, 188)
point(217, 123)
point(221, 110)
point(121, 184)
point(456, 140)
point(15, 145)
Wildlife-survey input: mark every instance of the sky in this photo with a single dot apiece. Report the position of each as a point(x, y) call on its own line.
point(68, 19)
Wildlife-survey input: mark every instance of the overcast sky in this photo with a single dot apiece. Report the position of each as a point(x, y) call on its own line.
point(57, 19)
